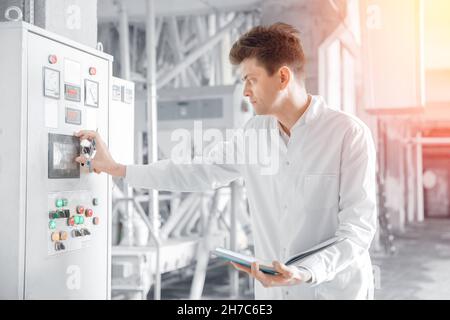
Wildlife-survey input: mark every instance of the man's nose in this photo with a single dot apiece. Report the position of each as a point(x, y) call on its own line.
point(247, 93)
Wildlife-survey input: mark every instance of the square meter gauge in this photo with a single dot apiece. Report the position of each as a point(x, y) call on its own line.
point(51, 83)
point(91, 93)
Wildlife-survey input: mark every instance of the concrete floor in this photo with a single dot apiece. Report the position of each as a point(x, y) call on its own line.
point(421, 267)
point(217, 286)
point(419, 270)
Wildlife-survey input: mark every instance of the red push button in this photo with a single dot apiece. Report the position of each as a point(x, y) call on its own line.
point(89, 212)
point(96, 220)
point(92, 71)
point(80, 209)
point(52, 59)
point(71, 221)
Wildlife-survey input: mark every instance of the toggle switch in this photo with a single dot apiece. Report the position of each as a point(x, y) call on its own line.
point(66, 213)
point(76, 233)
point(59, 246)
point(85, 232)
point(51, 214)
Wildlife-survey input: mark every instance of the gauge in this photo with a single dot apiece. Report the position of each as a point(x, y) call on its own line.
point(91, 93)
point(51, 83)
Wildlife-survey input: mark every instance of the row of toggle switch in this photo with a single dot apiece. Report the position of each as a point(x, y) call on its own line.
point(80, 233)
point(59, 214)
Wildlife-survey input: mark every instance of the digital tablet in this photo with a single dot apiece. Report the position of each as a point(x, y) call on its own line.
point(242, 259)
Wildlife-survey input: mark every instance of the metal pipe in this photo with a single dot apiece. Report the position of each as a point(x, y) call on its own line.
point(432, 141)
point(177, 48)
point(410, 181)
point(126, 210)
point(176, 216)
point(419, 159)
point(189, 59)
point(152, 112)
point(190, 214)
point(31, 11)
point(124, 41)
point(234, 275)
point(203, 249)
point(141, 212)
point(152, 131)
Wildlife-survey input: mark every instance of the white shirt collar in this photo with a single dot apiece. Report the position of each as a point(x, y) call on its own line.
point(314, 110)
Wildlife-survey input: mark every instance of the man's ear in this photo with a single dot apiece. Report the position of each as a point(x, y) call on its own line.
point(285, 75)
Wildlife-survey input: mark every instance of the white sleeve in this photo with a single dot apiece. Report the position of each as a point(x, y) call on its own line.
point(166, 175)
point(357, 207)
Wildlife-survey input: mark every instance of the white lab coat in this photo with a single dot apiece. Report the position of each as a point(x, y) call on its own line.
point(325, 187)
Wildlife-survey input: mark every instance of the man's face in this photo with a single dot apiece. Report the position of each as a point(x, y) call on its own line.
point(261, 89)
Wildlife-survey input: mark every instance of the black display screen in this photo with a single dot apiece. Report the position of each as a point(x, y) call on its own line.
point(62, 151)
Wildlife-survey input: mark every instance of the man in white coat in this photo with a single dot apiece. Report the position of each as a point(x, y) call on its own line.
point(324, 185)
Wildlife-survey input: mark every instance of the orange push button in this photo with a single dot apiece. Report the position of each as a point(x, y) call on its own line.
point(55, 236)
point(89, 212)
point(63, 235)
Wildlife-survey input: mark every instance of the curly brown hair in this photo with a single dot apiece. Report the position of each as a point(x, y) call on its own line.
point(273, 46)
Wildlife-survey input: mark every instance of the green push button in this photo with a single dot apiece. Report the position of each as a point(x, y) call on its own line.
point(79, 219)
point(52, 224)
point(59, 203)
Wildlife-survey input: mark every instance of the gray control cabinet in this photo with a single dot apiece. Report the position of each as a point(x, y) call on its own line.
point(55, 226)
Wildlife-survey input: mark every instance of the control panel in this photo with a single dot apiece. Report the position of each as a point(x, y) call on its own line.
point(72, 221)
point(52, 87)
